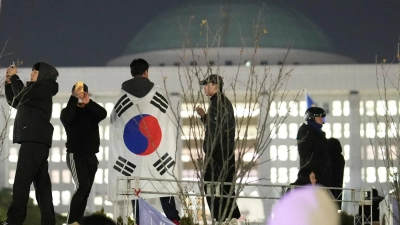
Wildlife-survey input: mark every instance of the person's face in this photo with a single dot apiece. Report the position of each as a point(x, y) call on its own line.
point(319, 120)
point(34, 75)
point(210, 89)
point(312, 178)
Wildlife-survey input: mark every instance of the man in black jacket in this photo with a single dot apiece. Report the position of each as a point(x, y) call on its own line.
point(219, 147)
point(313, 146)
point(33, 130)
point(81, 121)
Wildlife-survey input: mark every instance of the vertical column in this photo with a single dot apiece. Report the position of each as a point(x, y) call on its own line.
point(264, 169)
point(355, 161)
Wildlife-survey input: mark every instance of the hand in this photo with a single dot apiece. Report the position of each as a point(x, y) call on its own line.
point(11, 71)
point(78, 92)
point(200, 112)
point(85, 98)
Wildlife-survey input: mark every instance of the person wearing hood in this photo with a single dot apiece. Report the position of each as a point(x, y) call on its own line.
point(34, 132)
point(139, 86)
point(81, 118)
point(219, 147)
point(313, 146)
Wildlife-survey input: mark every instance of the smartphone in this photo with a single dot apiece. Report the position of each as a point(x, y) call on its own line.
point(79, 84)
point(12, 64)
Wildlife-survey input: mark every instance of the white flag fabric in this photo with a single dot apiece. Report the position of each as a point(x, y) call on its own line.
point(143, 140)
point(150, 216)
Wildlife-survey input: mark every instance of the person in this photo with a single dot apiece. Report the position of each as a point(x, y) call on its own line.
point(338, 163)
point(34, 132)
point(139, 86)
point(305, 176)
point(81, 118)
point(313, 147)
point(219, 146)
point(97, 220)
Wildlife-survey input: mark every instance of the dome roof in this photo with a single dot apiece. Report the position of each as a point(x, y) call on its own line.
point(235, 21)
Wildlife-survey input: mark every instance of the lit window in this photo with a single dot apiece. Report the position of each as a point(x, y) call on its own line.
point(248, 132)
point(249, 156)
point(56, 110)
point(13, 157)
point(380, 108)
point(282, 108)
point(293, 153)
point(106, 176)
point(392, 108)
point(109, 108)
point(273, 175)
point(272, 109)
point(98, 179)
point(107, 133)
point(13, 113)
point(346, 175)
point(369, 105)
point(293, 106)
point(381, 127)
point(65, 197)
point(66, 176)
point(327, 129)
point(32, 195)
point(382, 174)
point(346, 108)
point(64, 134)
point(283, 175)
point(370, 130)
point(393, 173)
point(283, 152)
point(64, 155)
point(11, 176)
point(371, 175)
point(98, 200)
point(56, 197)
point(361, 108)
point(273, 152)
point(346, 152)
point(362, 131)
point(392, 130)
point(293, 128)
point(106, 153)
point(55, 176)
point(99, 155)
point(55, 154)
point(246, 110)
point(293, 174)
point(336, 108)
point(185, 158)
point(303, 108)
point(346, 130)
point(10, 132)
point(101, 132)
point(273, 129)
point(337, 130)
point(370, 152)
point(57, 133)
point(282, 132)
point(192, 132)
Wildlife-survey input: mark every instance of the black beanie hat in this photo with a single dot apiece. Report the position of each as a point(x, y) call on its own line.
point(85, 88)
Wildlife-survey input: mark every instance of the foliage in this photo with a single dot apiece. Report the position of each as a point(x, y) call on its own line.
point(346, 219)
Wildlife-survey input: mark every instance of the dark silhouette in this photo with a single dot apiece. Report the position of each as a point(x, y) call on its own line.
point(338, 163)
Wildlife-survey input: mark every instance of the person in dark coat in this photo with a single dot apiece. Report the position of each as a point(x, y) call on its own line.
point(313, 146)
point(305, 176)
point(34, 132)
point(219, 145)
point(81, 122)
point(338, 163)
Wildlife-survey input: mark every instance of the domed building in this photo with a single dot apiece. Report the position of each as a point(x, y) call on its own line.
point(230, 30)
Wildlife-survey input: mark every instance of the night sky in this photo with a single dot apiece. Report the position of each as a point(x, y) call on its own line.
point(91, 32)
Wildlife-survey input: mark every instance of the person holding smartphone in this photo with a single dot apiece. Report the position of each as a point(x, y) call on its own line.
point(34, 132)
point(81, 118)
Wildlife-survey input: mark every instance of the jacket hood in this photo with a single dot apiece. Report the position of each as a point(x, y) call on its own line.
point(138, 86)
point(47, 72)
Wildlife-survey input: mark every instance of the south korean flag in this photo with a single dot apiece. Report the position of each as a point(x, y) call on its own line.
point(143, 142)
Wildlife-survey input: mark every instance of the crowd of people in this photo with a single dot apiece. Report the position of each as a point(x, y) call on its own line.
point(321, 161)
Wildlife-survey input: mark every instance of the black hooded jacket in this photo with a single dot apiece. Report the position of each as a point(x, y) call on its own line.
point(34, 106)
point(314, 153)
point(138, 86)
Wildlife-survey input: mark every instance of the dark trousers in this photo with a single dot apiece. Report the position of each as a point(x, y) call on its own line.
point(83, 169)
point(32, 166)
point(219, 204)
point(168, 206)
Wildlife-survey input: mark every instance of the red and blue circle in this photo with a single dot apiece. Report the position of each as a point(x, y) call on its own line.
point(142, 134)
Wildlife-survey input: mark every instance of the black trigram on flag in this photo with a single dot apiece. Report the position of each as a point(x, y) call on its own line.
point(124, 166)
point(163, 164)
point(160, 102)
point(122, 105)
